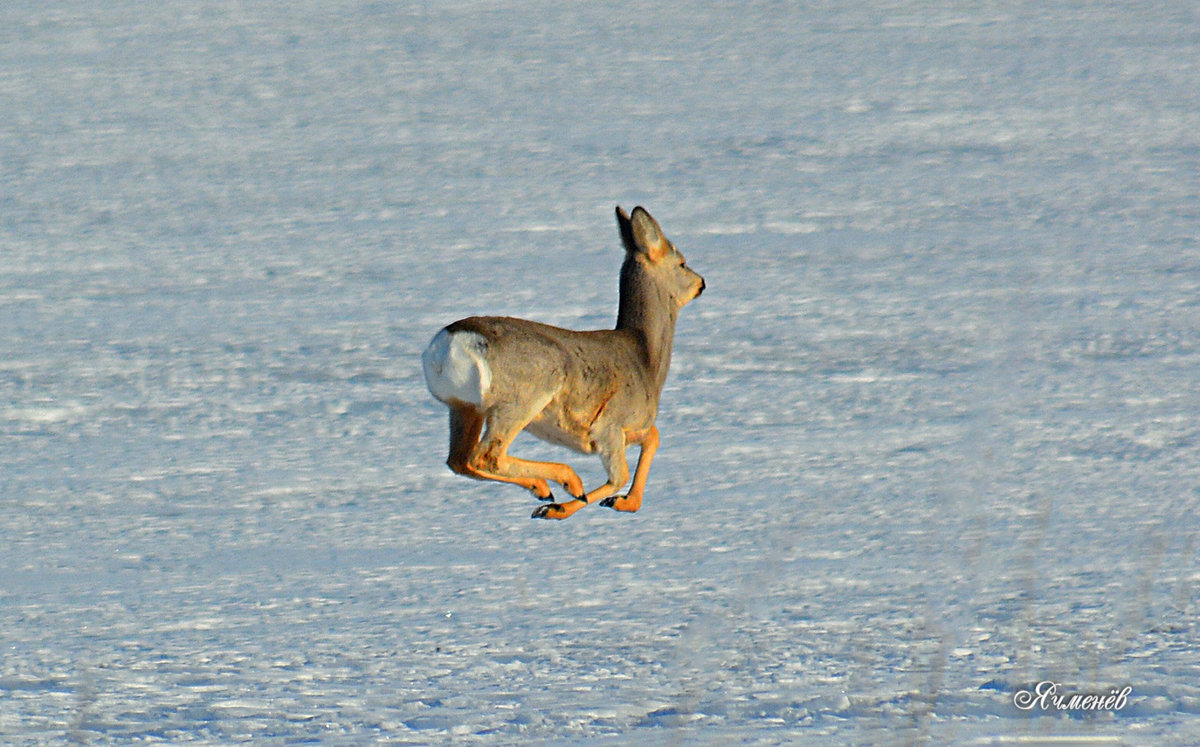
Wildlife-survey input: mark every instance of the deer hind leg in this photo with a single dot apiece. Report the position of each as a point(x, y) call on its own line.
point(490, 459)
point(466, 423)
point(632, 501)
point(612, 453)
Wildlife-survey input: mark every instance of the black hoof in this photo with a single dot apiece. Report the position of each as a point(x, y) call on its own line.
point(610, 501)
point(548, 497)
point(542, 512)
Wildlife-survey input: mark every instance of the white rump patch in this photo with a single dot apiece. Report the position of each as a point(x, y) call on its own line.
point(456, 367)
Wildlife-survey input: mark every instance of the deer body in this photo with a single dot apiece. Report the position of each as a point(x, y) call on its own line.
point(595, 392)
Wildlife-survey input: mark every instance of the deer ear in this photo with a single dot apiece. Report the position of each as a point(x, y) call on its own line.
point(647, 236)
point(626, 230)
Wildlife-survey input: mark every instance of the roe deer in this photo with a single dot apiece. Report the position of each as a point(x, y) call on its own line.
point(595, 392)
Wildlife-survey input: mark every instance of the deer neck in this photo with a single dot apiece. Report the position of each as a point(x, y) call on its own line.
point(649, 313)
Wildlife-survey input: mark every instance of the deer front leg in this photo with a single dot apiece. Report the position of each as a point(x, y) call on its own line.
point(633, 500)
point(612, 453)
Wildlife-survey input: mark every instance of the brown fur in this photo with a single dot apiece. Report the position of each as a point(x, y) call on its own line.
point(593, 392)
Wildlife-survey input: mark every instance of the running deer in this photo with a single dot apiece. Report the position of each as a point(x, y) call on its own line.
point(595, 392)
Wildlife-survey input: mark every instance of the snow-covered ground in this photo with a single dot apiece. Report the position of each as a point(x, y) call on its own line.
point(931, 435)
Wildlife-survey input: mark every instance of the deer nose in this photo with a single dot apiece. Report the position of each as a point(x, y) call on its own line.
point(703, 285)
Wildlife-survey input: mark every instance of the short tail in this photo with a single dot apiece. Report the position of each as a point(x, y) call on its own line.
point(456, 367)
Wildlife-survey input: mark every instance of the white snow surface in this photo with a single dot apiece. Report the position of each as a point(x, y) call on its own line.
point(931, 435)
